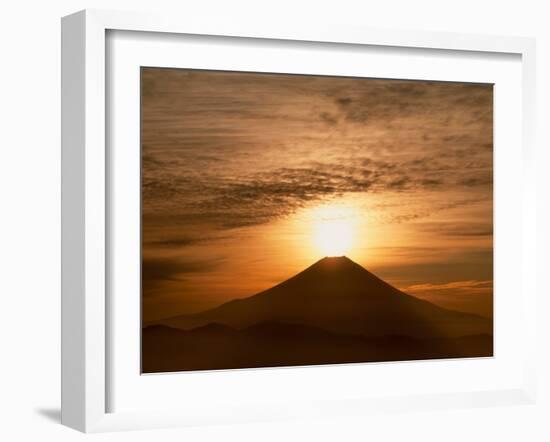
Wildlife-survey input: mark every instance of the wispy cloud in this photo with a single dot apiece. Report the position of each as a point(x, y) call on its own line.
point(472, 296)
point(160, 269)
point(463, 286)
point(258, 197)
point(248, 148)
point(465, 229)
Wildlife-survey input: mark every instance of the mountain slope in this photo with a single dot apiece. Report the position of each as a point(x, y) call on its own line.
point(340, 296)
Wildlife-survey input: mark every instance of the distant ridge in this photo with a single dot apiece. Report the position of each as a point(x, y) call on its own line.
point(337, 295)
point(276, 344)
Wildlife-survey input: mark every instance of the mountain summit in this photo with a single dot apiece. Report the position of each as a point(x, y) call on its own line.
point(338, 295)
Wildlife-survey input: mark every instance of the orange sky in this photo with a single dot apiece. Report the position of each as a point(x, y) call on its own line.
point(249, 178)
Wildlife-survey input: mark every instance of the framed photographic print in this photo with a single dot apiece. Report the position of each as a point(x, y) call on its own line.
point(264, 222)
point(265, 195)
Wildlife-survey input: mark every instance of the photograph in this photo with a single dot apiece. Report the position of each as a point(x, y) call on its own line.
point(303, 220)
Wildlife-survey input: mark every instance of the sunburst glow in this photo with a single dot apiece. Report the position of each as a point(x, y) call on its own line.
point(334, 230)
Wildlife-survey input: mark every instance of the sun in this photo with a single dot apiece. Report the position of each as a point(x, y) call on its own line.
point(334, 231)
point(334, 237)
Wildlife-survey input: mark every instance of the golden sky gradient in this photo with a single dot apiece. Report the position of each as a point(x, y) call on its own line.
point(249, 178)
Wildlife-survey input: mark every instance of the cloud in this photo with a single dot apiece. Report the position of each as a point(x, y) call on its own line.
point(258, 197)
point(233, 149)
point(437, 265)
point(468, 286)
point(464, 229)
point(471, 296)
point(481, 179)
point(160, 269)
point(173, 239)
point(328, 118)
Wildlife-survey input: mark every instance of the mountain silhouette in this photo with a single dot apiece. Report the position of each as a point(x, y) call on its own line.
point(276, 344)
point(339, 296)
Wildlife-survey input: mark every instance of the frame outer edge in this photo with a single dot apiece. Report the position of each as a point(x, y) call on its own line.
point(95, 223)
point(83, 343)
point(292, 30)
point(530, 154)
point(73, 348)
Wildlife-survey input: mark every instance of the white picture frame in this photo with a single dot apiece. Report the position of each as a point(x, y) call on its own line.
point(86, 203)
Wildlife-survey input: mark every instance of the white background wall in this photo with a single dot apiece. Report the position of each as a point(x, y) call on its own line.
point(30, 217)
